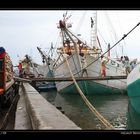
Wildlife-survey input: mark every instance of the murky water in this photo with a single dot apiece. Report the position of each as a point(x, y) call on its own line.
point(114, 108)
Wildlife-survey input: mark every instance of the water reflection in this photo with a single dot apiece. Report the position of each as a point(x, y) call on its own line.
point(112, 107)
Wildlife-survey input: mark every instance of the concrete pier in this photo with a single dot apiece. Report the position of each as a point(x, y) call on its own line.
point(40, 113)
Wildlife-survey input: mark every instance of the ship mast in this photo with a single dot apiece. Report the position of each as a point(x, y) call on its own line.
point(45, 59)
point(93, 39)
point(70, 40)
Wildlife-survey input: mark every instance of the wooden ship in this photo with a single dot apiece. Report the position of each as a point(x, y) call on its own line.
point(85, 61)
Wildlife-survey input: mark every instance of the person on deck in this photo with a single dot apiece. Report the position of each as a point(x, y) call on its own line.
point(103, 66)
point(84, 65)
point(127, 65)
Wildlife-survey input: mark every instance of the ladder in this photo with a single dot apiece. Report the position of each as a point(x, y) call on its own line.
point(93, 38)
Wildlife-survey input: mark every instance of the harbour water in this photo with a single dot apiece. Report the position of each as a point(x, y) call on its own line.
point(115, 108)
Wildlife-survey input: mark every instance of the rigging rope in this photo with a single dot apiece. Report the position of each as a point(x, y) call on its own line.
point(124, 36)
point(114, 35)
point(80, 22)
point(102, 37)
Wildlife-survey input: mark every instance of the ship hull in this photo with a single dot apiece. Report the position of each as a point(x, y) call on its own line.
point(133, 88)
point(133, 118)
point(89, 87)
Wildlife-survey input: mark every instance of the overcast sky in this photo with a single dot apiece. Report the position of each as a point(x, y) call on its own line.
point(22, 31)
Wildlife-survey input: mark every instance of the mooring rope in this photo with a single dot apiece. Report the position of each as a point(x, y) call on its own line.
point(91, 107)
point(124, 36)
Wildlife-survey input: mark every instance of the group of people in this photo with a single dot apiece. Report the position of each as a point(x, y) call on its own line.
point(103, 66)
point(125, 61)
point(23, 68)
point(129, 66)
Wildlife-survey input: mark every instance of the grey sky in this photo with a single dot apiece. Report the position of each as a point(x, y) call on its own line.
point(22, 31)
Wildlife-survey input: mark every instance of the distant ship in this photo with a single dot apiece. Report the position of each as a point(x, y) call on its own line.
point(85, 61)
point(47, 69)
point(30, 69)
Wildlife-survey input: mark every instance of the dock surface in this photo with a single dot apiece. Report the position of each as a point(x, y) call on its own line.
point(34, 109)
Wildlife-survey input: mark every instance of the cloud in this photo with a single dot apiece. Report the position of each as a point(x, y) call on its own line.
point(22, 31)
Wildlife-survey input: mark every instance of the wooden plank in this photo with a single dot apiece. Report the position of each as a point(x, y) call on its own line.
point(78, 78)
point(68, 79)
point(18, 79)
